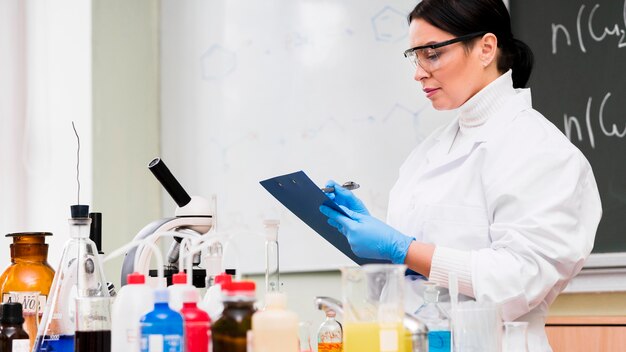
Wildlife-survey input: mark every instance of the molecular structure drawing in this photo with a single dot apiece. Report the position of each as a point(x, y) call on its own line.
point(389, 25)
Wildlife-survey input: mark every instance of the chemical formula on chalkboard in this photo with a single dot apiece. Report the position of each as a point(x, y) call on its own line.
point(578, 83)
point(588, 24)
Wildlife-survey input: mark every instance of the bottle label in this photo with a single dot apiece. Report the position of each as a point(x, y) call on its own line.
point(161, 343)
point(21, 345)
point(388, 340)
point(28, 300)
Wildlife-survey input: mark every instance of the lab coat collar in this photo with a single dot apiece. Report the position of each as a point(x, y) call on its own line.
point(439, 155)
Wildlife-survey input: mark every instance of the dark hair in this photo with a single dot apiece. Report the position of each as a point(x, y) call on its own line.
point(461, 17)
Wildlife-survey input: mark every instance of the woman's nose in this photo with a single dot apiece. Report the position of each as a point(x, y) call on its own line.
point(420, 73)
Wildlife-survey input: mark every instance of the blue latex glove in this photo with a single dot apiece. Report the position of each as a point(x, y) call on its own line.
point(345, 197)
point(368, 236)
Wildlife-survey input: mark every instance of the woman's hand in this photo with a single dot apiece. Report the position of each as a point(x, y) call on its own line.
point(346, 198)
point(368, 236)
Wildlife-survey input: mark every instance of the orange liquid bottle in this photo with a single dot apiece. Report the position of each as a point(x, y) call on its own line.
point(28, 273)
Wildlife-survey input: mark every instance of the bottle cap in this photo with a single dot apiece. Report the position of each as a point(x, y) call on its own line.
point(79, 211)
point(179, 278)
point(330, 313)
point(231, 272)
point(223, 278)
point(161, 295)
point(12, 313)
point(135, 279)
point(191, 295)
point(235, 286)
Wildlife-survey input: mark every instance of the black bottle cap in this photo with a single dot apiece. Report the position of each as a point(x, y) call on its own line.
point(232, 272)
point(95, 232)
point(12, 313)
point(79, 211)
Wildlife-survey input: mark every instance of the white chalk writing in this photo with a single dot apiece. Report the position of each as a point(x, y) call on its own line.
point(571, 122)
point(596, 32)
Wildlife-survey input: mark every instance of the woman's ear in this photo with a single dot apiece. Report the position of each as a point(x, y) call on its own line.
point(488, 46)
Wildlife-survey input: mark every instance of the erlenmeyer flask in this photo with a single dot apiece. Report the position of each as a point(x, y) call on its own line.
point(80, 274)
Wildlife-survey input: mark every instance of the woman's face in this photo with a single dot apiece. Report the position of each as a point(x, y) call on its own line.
point(458, 73)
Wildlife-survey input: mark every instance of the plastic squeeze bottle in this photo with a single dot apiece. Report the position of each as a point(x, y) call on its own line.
point(162, 328)
point(212, 301)
point(133, 301)
point(197, 323)
point(178, 287)
point(275, 329)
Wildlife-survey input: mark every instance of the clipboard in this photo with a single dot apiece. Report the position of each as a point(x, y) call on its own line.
point(298, 193)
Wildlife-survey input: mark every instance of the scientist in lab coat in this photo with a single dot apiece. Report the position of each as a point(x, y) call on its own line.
point(499, 196)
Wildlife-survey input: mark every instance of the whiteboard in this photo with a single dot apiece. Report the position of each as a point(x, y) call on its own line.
point(252, 89)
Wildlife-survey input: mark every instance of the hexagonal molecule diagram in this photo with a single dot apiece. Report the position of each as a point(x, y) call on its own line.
point(389, 25)
point(217, 63)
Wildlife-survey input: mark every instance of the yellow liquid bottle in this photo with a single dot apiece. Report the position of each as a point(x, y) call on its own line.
point(28, 273)
point(373, 337)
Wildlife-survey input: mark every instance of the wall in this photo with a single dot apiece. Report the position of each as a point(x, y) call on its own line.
point(125, 119)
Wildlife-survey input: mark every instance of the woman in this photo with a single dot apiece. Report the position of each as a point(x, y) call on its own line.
point(499, 195)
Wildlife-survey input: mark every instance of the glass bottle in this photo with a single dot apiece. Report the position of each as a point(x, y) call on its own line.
point(29, 270)
point(436, 320)
point(80, 274)
point(12, 335)
point(330, 334)
point(229, 332)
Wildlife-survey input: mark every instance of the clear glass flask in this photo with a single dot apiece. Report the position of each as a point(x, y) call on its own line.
point(79, 274)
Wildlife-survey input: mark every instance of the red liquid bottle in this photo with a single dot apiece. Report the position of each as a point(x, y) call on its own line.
point(197, 323)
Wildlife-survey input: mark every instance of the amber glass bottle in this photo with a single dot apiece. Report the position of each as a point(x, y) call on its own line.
point(29, 272)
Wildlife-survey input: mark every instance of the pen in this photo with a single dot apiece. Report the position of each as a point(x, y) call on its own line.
point(350, 185)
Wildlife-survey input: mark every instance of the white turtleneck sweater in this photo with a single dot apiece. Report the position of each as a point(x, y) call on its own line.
point(479, 108)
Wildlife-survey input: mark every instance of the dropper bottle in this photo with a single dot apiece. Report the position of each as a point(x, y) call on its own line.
point(272, 273)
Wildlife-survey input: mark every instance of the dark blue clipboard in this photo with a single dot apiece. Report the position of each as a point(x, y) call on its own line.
point(303, 198)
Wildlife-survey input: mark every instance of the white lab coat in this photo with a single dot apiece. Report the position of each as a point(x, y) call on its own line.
point(519, 199)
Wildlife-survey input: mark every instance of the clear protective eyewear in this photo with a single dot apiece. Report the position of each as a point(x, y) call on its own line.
point(427, 56)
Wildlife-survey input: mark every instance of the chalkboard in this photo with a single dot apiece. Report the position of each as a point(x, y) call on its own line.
point(579, 83)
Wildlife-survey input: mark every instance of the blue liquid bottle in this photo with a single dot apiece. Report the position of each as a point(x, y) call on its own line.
point(162, 328)
point(436, 320)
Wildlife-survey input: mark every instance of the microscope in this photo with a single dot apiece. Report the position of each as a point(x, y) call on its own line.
point(192, 216)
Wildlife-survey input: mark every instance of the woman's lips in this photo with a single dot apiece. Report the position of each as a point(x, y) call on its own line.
point(430, 91)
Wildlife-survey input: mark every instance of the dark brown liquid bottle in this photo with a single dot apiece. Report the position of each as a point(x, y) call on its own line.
point(229, 332)
point(29, 272)
point(13, 338)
